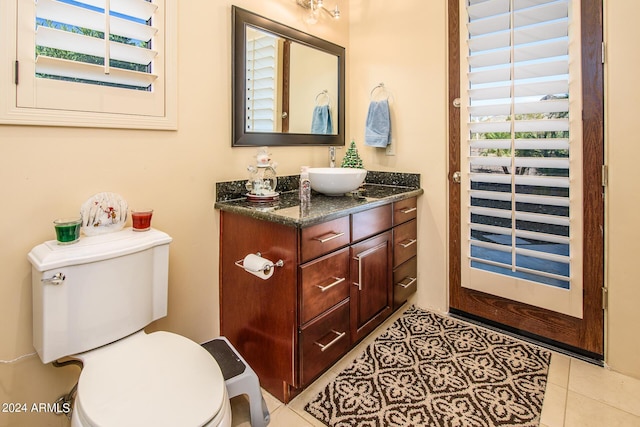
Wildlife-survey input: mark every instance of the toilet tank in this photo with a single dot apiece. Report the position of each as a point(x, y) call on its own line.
point(114, 285)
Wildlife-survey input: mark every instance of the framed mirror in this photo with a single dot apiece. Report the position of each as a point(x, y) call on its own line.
point(288, 86)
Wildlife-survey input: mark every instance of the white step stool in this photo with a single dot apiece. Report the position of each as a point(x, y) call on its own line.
point(239, 379)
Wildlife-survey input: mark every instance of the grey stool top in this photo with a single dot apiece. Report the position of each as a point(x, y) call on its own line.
point(230, 363)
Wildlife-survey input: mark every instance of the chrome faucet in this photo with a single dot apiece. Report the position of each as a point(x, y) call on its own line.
point(332, 157)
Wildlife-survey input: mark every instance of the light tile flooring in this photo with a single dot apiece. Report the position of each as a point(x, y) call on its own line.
point(578, 394)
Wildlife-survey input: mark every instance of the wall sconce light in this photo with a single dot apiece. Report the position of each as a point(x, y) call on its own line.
point(315, 8)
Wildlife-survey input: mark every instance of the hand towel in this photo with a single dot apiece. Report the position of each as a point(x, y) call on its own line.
point(321, 121)
point(378, 126)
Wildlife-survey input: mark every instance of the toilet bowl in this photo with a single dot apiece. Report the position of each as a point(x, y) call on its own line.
point(91, 302)
point(158, 379)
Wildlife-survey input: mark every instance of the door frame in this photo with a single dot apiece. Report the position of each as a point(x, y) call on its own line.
point(584, 336)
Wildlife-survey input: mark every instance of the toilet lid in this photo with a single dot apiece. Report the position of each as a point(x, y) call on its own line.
point(157, 379)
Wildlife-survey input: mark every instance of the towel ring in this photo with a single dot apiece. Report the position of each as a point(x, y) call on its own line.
point(319, 97)
point(381, 88)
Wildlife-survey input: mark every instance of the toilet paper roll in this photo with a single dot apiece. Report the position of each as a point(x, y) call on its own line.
point(256, 265)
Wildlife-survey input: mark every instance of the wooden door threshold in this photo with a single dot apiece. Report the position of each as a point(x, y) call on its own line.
point(584, 355)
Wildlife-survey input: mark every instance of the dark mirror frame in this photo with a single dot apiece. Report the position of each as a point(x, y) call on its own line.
point(240, 138)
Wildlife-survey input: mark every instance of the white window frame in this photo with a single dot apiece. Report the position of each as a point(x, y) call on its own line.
point(164, 118)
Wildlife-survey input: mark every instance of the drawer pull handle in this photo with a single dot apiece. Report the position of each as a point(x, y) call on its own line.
point(409, 243)
point(412, 280)
point(338, 281)
point(333, 341)
point(334, 235)
point(406, 211)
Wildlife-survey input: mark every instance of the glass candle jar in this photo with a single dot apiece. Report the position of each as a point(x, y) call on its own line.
point(141, 219)
point(67, 230)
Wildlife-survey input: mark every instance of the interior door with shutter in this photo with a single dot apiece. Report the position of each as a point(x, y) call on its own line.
point(526, 215)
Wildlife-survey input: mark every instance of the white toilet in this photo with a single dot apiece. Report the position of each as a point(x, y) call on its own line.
point(91, 301)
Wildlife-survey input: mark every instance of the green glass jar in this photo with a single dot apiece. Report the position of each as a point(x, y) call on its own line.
point(67, 230)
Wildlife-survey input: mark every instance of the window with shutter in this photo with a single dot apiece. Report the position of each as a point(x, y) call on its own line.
point(105, 63)
point(524, 145)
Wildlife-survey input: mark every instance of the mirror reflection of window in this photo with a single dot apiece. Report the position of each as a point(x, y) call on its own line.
point(283, 80)
point(263, 68)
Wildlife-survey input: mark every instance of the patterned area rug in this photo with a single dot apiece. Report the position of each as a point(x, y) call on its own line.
point(430, 370)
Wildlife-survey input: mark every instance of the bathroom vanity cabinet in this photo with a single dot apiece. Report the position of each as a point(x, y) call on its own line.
point(342, 276)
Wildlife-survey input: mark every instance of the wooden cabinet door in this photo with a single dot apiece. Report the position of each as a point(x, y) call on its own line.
point(371, 291)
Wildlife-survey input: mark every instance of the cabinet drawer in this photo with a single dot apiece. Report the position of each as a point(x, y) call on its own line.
point(324, 283)
point(405, 281)
point(405, 210)
point(323, 238)
point(324, 341)
point(405, 239)
point(370, 222)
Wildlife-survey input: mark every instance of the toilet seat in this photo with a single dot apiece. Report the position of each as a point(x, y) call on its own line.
point(159, 379)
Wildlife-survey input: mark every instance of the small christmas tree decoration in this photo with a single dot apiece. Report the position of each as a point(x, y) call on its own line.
point(351, 158)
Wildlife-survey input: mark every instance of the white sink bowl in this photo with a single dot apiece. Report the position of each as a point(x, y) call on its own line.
point(336, 181)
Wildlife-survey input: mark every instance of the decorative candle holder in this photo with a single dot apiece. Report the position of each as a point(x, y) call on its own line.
point(67, 230)
point(141, 219)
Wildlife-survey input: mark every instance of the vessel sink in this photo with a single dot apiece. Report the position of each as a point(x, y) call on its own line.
point(336, 181)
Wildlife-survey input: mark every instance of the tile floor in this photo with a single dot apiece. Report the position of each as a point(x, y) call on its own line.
point(578, 394)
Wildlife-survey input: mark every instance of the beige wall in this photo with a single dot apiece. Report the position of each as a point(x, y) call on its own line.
point(48, 172)
point(403, 46)
point(622, 152)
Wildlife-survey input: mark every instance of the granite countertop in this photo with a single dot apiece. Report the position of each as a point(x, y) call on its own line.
point(380, 188)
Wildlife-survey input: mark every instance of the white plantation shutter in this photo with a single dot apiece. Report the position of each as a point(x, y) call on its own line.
point(106, 63)
point(83, 14)
point(261, 71)
point(519, 140)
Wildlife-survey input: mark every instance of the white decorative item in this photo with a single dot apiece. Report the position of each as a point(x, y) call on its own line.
point(103, 213)
point(263, 158)
point(262, 178)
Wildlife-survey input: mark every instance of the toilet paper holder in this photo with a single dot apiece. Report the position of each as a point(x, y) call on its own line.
point(267, 268)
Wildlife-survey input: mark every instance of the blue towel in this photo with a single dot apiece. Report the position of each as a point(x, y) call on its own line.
point(321, 121)
point(377, 131)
